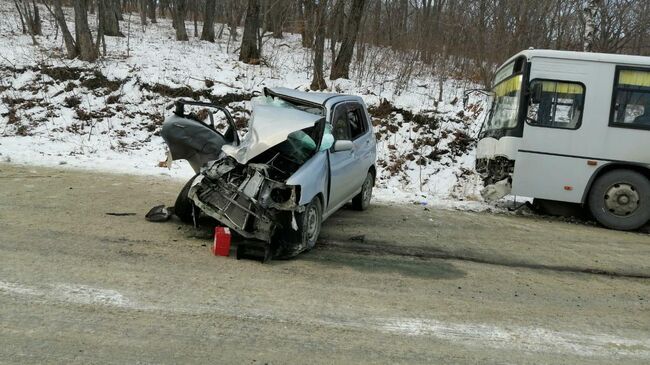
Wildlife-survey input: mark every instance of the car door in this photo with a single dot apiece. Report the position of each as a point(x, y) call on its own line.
point(363, 140)
point(342, 163)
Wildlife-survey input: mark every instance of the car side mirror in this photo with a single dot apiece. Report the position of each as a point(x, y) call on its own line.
point(536, 93)
point(343, 145)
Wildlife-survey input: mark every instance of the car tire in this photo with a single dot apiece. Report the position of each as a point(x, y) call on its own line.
point(362, 200)
point(310, 224)
point(184, 208)
point(620, 199)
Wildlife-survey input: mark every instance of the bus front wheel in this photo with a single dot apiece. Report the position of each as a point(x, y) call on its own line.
point(620, 199)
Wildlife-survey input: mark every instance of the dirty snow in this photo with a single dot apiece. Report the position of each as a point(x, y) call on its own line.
point(510, 337)
point(107, 116)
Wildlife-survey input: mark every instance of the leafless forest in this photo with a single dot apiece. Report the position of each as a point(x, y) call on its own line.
point(461, 39)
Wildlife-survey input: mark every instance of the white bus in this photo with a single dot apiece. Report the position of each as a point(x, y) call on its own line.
point(571, 127)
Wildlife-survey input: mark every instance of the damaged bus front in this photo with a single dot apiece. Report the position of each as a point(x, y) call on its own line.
point(502, 132)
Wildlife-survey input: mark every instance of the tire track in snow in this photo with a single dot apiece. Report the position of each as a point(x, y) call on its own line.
point(518, 338)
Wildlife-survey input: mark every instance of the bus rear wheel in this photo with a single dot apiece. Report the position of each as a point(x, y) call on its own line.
point(620, 199)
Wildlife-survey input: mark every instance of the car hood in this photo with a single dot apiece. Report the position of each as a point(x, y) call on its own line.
point(272, 121)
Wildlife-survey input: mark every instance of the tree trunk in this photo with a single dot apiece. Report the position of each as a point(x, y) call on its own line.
point(591, 12)
point(143, 11)
point(308, 23)
point(178, 14)
point(110, 23)
point(249, 53)
point(85, 46)
point(341, 67)
point(207, 34)
point(233, 20)
point(335, 25)
point(100, 27)
point(20, 16)
point(70, 46)
point(117, 9)
point(36, 20)
point(151, 9)
point(277, 16)
point(318, 82)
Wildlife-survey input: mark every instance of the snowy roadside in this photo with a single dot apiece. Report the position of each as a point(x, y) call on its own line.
point(107, 116)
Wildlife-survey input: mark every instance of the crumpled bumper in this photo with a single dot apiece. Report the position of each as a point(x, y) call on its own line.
point(245, 199)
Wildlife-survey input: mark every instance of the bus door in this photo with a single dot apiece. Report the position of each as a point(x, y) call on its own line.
point(546, 166)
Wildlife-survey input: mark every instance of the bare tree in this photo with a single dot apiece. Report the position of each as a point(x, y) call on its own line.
point(318, 81)
point(142, 4)
point(109, 17)
point(277, 17)
point(249, 51)
point(68, 40)
point(336, 25)
point(179, 12)
point(151, 10)
point(341, 66)
point(207, 34)
point(85, 46)
point(591, 12)
point(307, 28)
point(30, 18)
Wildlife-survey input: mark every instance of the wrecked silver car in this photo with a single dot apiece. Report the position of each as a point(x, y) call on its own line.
point(304, 156)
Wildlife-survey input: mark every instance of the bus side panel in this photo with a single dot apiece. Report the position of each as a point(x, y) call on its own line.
point(551, 177)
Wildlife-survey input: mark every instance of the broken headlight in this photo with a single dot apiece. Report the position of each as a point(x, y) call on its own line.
point(281, 195)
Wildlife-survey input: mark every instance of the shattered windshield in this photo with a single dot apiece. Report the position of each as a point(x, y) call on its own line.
point(274, 121)
point(302, 140)
point(505, 110)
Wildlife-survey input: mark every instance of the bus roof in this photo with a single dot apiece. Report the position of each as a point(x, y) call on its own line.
point(582, 56)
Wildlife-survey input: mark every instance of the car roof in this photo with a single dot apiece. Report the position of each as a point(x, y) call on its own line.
point(315, 98)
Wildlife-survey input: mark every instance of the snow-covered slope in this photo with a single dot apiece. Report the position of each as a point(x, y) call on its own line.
point(107, 115)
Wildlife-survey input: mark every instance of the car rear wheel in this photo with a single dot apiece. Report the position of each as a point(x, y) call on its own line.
point(620, 199)
point(362, 200)
point(184, 208)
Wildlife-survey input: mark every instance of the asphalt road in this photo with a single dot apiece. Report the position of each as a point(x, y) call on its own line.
point(394, 284)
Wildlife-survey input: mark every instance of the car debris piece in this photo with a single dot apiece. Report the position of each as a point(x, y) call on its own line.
point(159, 213)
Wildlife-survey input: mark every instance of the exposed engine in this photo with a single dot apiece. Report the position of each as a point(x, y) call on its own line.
point(253, 198)
point(494, 170)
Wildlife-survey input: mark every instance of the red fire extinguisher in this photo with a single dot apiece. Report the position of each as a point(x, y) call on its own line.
point(221, 246)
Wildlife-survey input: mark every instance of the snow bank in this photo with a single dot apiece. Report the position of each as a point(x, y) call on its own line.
point(107, 116)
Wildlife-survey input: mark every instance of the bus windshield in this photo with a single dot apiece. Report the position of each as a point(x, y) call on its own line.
point(505, 107)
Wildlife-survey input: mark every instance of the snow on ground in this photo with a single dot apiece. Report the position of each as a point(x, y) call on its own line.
point(107, 116)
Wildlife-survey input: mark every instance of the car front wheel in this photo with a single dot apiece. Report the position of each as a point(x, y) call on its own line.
point(310, 223)
point(184, 207)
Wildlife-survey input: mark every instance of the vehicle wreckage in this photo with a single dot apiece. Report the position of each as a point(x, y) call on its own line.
point(304, 156)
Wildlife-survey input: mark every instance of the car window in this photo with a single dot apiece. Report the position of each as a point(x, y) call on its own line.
point(340, 127)
point(357, 125)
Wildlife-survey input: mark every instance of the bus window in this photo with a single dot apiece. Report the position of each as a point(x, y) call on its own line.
point(560, 104)
point(631, 99)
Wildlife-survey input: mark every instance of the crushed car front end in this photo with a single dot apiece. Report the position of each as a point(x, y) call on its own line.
point(255, 186)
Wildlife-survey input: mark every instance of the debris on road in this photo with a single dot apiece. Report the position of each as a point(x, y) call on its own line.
point(159, 213)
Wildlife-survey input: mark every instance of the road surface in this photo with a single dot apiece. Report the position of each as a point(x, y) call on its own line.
point(394, 284)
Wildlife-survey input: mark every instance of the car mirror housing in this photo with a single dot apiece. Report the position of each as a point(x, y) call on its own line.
point(343, 145)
